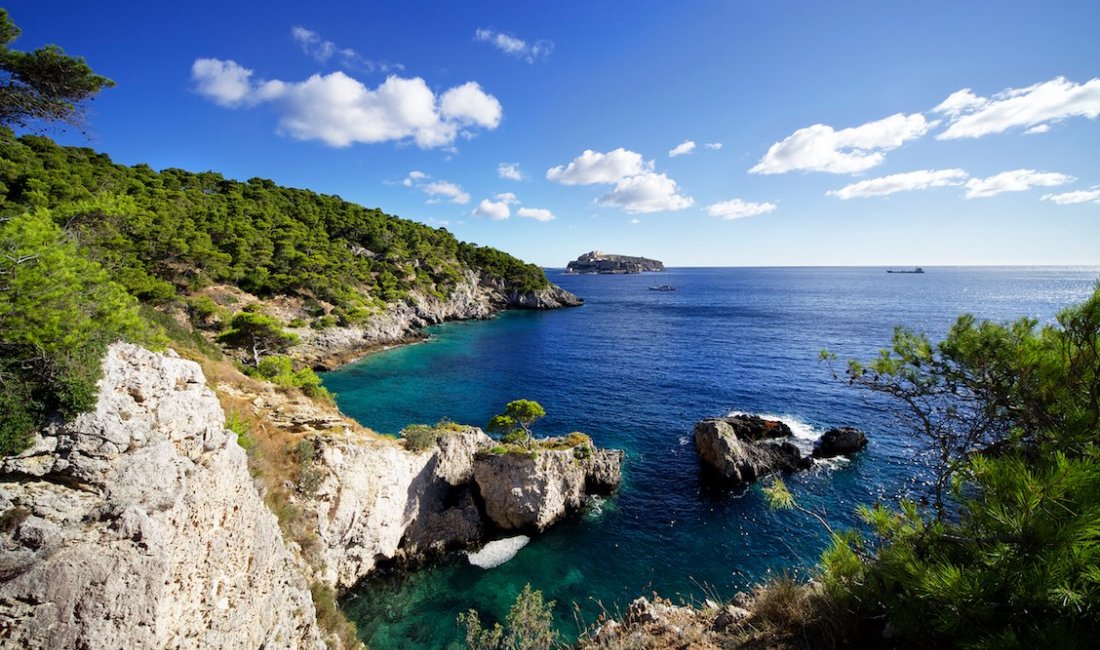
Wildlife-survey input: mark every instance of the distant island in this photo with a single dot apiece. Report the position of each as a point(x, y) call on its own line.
point(608, 263)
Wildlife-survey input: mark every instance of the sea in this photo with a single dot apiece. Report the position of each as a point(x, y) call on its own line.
point(635, 369)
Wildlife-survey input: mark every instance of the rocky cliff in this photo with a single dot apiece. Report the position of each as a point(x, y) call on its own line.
point(380, 503)
point(137, 526)
point(475, 297)
point(609, 263)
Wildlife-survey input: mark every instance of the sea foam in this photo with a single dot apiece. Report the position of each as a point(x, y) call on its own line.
point(498, 552)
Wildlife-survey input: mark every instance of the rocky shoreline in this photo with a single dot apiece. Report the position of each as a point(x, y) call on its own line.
point(138, 524)
point(475, 298)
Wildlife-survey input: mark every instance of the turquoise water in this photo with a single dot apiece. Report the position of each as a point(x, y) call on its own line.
point(635, 369)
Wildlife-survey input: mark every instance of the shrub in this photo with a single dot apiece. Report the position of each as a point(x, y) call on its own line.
point(528, 626)
point(419, 437)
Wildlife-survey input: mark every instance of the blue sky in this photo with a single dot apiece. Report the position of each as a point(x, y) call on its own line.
point(851, 132)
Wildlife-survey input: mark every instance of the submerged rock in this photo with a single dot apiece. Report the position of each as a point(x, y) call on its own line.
point(742, 448)
point(840, 441)
point(137, 525)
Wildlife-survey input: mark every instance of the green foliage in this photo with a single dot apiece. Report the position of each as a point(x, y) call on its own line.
point(528, 626)
point(279, 370)
point(419, 437)
point(331, 619)
point(239, 425)
point(58, 313)
point(45, 84)
point(169, 231)
point(516, 420)
point(258, 334)
point(1009, 556)
point(309, 476)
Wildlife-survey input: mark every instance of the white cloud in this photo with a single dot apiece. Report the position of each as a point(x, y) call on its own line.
point(635, 221)
point(1037, 129)
point(637, 187)
point(823, 149)
point(918, 180)
point(340, 111)
point(1035, 107)
point(713, 145)
point(224, 82)
point(414, 177)
point(312, 43)
point(495, 210)
point(469, 105)
point(538, 214)
point(322, 51)
point(593, 167)
point(510, 171)
point(682, 149)
point(1017, 180)
point(738, 209)
point(516, 47)
point(1091, 195)
point(647, 192)
point(507, 198)
point(447, 190)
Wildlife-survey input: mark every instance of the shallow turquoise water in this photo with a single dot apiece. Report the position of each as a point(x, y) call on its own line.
point(635, 369)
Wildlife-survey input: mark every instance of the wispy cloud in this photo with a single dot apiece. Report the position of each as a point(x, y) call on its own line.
point(445, 190)
point(821, 148)
point(684, 148)
point(538, 214)
point(323, 51)
point(1091, 195)
point(738, 209)
point(1034, 108)
point(1017, 180)
point(510, 171)
point(339, 110)
point(713, 146)
point(886, 185)
point(515, 46)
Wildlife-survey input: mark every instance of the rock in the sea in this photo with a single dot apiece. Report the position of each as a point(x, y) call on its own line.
point(840, 441)
point(743, 448)
point(608, 263)
point(137, 525)
point(531, 491)
point(378, 502)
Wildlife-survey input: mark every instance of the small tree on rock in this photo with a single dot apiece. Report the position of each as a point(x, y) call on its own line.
point(516, 420)
point(258, 334)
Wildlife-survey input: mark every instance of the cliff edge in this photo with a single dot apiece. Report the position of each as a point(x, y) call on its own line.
point(137, 525)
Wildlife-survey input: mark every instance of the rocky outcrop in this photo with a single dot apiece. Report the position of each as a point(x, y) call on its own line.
point(137, 526)
point(840, 442)
point(532, 491)
point(743, 448)
point(607, 263)
point(378, 502)
point(473, 298)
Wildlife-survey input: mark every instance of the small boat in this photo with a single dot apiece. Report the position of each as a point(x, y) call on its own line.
point(916, 270)
point(663, 287)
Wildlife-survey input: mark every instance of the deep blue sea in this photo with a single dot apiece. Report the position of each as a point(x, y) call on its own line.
point(635, 369)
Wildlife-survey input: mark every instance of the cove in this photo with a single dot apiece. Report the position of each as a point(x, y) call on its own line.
point(635, 369)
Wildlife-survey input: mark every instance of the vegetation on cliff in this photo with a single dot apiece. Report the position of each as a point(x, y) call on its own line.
point(1006, 552)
